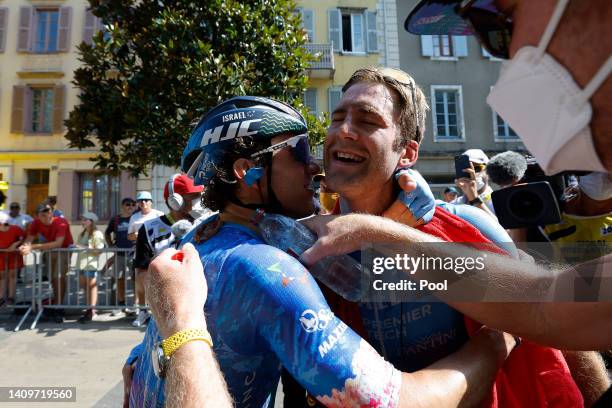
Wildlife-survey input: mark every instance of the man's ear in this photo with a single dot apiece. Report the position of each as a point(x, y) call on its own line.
point(246, 172)
point(240, 168)
point(410, 154)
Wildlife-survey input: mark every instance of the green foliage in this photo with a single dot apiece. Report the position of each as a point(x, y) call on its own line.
point(160, 65)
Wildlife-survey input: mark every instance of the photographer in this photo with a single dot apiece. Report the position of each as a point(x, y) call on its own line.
point(476, 189)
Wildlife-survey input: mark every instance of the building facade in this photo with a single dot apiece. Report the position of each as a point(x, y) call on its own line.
point(345, 35)
point(456, 74)
point(38, 56)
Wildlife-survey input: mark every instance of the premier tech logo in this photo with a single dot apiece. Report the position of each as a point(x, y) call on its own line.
point(228, 131)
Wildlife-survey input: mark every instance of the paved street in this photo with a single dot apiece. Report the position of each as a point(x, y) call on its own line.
point(88, 357)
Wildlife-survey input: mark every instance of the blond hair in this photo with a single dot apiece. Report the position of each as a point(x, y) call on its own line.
point(412, 106)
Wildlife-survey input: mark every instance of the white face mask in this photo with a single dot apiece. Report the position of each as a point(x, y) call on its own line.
point(597, 186)
point(540, 100)
point(480, 183)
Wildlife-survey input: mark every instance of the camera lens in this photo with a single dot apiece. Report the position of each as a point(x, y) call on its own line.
point(526, 206)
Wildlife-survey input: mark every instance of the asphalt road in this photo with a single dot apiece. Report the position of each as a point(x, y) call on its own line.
point(88, 357)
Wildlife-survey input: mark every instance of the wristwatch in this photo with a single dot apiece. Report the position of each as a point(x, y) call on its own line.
point(163, 350)
point(477, 200)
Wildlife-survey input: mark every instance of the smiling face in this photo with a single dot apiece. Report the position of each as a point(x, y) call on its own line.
point(291, 181)
point(45, 216)
point(359, 154)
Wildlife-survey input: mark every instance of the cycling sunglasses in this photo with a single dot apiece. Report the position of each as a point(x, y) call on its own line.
point(299, 148)
point(492, 28)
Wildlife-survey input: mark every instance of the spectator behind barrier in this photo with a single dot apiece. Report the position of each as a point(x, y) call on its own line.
point(54, 233)
point(88, 262)
point(52, 201)
point(11, 260)
point(20, 220)
point(116, 235)
point(145, 211)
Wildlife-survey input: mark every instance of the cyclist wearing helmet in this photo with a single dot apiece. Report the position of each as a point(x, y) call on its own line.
point(263, 308)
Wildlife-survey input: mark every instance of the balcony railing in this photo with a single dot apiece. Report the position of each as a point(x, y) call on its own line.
point(324, 56)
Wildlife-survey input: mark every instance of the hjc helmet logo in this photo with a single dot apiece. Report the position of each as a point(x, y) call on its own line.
point(228, 131)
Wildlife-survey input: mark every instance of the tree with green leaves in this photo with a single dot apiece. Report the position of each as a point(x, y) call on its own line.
point(160, 65)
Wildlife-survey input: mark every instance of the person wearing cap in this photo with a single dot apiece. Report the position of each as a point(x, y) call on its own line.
point(55, 231)
point(155, 234)
point(15, 218)
point(87, 262)
point(116, 235)
point(450, 194)
point(145, 211)
point(476, 189)
point(11, 237)
point(52, 200)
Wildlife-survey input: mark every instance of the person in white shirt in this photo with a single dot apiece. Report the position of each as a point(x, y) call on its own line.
point(15, 218)
point(144, 201)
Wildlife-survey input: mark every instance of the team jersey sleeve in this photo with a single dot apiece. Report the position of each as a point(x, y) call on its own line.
point(290, 315)
point(486, 225)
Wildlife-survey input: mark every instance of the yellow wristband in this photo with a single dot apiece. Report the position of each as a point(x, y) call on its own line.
point(172, 343)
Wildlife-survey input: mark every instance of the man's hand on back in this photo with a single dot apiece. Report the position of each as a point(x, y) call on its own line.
point(177, 289)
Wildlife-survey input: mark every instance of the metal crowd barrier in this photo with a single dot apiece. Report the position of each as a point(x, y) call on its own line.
point(43, 268)
point(25, 283)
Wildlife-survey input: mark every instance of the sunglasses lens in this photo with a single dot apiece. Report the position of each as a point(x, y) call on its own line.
point(301, 151)
point(493, 33)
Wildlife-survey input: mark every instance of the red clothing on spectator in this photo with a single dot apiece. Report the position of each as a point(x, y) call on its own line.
point(15, 260)
point(58, 228)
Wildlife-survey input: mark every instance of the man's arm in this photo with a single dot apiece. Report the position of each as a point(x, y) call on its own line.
point(109, 231)
point(132, 229)
point(469, 374)
point(355, 370)
point(28, 247)
point(566, 325)
point(177, 292)
point(590, 374)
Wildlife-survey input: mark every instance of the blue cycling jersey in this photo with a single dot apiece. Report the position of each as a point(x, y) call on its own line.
point(265, 310)
point(483, 223)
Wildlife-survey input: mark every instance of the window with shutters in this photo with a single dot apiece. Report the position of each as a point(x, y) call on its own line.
point(3, 27)
point(447, 113)
point(310, 100)
point(92, 26)
point(41, 118)
point(307, 17)
point(333, 98)
point(38, 109)
point(99, 193)
point(444, 47)
point(353, 31)
point(44, 30)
